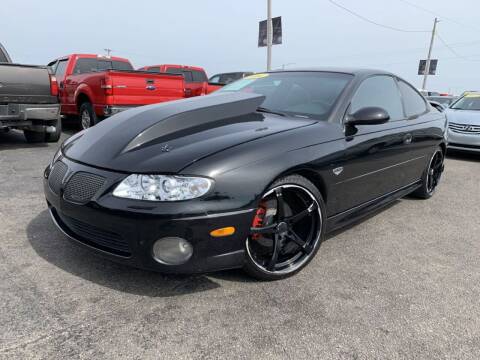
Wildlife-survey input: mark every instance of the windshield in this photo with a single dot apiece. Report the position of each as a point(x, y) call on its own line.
point(468, 102)
point(307, 94)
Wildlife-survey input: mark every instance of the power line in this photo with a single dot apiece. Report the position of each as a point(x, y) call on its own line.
point(453, 51)
point(439, 15)
point(374, 22)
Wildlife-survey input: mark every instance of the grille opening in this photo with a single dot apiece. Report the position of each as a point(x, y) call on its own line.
point(56, 176)
point(82, 187)
point(94, 236)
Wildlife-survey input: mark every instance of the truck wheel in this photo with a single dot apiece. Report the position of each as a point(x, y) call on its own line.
point(34, 136)
point(55, 136)
point(88, 118)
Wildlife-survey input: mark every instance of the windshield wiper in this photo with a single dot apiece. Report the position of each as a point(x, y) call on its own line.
point(265, 110)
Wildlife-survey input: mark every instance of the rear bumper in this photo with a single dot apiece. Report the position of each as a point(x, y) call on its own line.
point(110, 110)
point(29, 114)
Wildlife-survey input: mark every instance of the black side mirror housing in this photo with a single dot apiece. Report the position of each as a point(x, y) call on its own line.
point(368, 116)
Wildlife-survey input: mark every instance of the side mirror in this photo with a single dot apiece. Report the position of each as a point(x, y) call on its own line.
point(368, 116)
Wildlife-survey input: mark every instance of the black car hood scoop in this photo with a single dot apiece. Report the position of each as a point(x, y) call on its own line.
point(168, 137)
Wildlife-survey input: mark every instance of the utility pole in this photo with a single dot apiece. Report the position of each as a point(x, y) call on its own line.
point(427, 65)
point(269, 35)
point(108, 51)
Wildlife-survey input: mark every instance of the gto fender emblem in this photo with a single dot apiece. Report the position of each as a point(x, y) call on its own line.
point(337, 171)
point(165, 148)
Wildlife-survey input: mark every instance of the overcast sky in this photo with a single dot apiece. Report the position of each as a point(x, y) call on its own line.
point(221, 35)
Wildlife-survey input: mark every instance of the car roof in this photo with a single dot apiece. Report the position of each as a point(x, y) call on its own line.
point(345, 70)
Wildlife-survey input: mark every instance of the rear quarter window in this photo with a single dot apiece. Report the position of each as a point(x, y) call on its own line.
point(412, 100)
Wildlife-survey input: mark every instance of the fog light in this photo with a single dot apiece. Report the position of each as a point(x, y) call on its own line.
point(172, 250)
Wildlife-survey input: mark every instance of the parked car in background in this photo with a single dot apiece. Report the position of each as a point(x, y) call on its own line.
point(445, 101)
point(429, 93)
point(196, 80)
point(28, 100)
point(227, 78)
point(253, 176)
point(464, 123)
point(92, 87)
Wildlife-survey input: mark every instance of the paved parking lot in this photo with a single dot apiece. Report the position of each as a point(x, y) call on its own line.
point(403, 284)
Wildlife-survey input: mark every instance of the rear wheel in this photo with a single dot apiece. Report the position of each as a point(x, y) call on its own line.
point(287, 230)
point(34, 136)
point(88, 118)
point(55, 136)
point(431, 176)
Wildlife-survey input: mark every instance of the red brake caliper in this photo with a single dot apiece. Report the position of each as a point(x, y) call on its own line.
point(258, 219)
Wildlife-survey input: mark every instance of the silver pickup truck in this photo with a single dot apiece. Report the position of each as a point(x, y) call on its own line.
point(28, 100)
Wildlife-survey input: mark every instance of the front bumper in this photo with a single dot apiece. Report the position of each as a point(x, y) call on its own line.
point(29, 114)
point(125, 230)
point(463, 141)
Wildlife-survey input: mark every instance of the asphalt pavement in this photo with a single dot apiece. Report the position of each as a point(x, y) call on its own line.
point(402, 284)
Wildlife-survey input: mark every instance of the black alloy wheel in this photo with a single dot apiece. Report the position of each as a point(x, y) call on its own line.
point(287, 230)
point(432, 175)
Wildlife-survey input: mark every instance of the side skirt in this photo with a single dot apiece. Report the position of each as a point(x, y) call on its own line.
point(348, 217)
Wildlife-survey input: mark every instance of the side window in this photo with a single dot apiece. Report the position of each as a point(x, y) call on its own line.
point(60, 70)
point(414, 103)
point(215, 79)
point(199, 76)
point(154, 69)
point(85, 65)
point(187, 75)
point(380, 91)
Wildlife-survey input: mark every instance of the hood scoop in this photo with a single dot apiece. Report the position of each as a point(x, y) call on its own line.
point(206, 112)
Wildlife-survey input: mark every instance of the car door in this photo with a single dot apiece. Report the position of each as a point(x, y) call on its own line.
point(424, 136)
point(375, 155)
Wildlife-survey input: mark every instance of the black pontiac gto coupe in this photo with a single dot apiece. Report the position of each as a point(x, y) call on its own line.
point(252, 176)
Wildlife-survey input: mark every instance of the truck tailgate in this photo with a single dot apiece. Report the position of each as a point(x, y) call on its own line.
point(143, 88)
point(25, 84)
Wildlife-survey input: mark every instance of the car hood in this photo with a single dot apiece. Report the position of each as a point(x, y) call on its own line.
point(467, 117)
point(167, 137)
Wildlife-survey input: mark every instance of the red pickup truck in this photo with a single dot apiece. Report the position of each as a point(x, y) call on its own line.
point(92, 87)
point(196, 80)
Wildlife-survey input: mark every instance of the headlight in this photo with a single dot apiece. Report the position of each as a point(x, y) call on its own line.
point(162, 187)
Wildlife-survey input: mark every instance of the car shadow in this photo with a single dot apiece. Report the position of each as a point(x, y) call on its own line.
point(463, 155)
point(14, 139)
point(56, 249)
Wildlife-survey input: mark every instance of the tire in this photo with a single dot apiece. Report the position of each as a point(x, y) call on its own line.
point(87, 116)
point(426, 191)
point(289, 185)
point(34, 136)
point(55, 136)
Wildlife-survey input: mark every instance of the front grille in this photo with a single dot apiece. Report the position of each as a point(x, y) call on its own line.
point(99, 238)
point(56, 176)
point(464, 128)
point(82, 187)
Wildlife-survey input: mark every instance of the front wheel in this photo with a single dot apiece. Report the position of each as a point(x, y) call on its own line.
point(431, 176)
point(287, 230)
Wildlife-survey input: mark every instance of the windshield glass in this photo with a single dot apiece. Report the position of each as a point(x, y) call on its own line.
point(308, 94)
point(468, 102)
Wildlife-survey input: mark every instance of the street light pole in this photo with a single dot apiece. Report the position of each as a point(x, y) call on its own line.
point(427, 65)
point(269, 35)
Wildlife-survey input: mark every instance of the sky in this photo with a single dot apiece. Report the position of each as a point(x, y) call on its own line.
point(221, 35)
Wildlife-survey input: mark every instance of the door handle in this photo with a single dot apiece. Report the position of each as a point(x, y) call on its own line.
point(407, 139)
